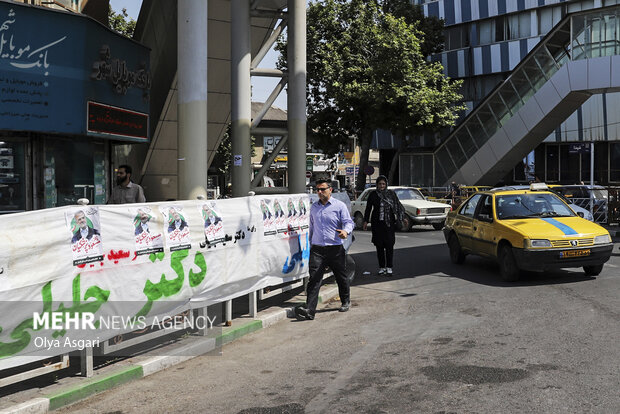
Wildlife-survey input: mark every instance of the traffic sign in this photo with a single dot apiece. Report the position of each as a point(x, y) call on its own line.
point(308, 174)
point(309, 162)
point(369, 170)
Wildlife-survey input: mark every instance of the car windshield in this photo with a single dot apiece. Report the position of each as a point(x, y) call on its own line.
point(531, 205)
point(600, 194)
point(408, 194)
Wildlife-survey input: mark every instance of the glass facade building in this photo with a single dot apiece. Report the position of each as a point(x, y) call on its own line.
point(505, 51)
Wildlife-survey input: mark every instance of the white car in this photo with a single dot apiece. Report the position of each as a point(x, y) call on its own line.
point(419, 210)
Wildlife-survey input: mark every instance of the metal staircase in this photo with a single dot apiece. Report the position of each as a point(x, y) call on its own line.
point(580, 57)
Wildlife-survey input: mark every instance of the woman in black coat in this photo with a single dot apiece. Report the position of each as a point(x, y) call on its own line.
point(387, 212)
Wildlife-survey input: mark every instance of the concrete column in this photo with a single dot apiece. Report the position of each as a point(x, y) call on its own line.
point(241, 110)
point(297, 96)
point(192, 99)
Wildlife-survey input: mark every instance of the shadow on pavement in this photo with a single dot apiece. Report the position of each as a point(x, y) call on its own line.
point(434, 260)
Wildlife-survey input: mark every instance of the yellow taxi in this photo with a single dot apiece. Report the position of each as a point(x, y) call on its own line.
point(531, 229)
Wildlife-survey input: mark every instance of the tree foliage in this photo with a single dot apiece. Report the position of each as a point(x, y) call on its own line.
point(121, 22)
point(223, 156)
point(366, 70)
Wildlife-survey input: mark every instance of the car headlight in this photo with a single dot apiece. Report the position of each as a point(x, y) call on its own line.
point(602, 239)
point(535, 243)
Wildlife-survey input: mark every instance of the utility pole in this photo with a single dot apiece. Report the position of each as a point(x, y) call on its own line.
point(192, 100)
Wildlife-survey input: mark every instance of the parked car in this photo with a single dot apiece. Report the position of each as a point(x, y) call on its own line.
point(581, 194)
point(581, 212)
point(530, 229)
point(418, 209)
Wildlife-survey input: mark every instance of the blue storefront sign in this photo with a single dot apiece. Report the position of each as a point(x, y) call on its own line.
point(66, 73)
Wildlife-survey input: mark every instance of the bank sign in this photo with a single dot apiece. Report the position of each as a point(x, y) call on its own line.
point(66, 73)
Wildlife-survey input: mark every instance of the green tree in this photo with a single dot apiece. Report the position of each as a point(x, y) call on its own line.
point(121, 22)
point(223, 156)
point(367, 71)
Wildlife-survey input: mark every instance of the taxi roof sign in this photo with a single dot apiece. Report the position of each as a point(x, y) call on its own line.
point(538, 187)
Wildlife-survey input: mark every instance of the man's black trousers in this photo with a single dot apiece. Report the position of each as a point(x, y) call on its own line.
point(333, 257)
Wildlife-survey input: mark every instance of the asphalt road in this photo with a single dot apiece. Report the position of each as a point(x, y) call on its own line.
point(435, 338)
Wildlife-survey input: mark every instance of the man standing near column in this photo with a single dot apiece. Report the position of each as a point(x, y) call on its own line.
point(125, 190)
point(330, 223)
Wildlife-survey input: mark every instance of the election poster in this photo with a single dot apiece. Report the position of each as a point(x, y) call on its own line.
point(213, 223)
point(83, 223)
point(177, 227)
point(147, 231)
point(269, 219)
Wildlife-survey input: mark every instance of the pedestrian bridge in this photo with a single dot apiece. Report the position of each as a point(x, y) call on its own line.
point(580, 57)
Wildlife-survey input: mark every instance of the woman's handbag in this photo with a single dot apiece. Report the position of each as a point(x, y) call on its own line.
point(398, 225)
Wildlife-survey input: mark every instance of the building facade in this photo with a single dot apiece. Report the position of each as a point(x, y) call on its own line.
point(70, 89)
point(485, 40)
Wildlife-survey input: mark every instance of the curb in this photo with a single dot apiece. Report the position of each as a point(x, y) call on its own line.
point(195, 348)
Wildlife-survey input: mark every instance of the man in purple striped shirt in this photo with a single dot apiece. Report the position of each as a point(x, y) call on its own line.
point(330, 223)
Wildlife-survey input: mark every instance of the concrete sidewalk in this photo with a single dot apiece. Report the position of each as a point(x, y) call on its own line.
point(43, 395)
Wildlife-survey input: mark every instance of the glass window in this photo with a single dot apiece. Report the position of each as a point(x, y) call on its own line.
point(525, 25)
point(500, 29)
point(466, 142)
point(530, 205)
point(487, 31)
point(545, 20)
point(12, 176)
point(614, 161)
point(445, 162)
point(457, 153)
point(74, 169)
point(486, 207)
point(469, 207)
point(408, 194)
point(569, 165)
point(456, 37)
point(553, 163)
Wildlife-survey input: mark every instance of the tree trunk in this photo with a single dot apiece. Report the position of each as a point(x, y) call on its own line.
point(393, 166)
point(365, 140)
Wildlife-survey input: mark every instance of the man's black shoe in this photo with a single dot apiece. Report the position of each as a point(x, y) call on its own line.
point(345, 307)
point(302, 313)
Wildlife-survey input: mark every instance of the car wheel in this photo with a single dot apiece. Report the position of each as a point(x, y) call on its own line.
point(593, 270)
point(438, 226)
point(407, 223)
point(508, 265)
point(456, 253)
point(359, 221)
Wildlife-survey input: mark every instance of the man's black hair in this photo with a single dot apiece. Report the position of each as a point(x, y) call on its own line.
point(329, 184)
point(126, 167)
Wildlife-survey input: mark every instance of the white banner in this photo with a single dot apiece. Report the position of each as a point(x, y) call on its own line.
point(139, 260)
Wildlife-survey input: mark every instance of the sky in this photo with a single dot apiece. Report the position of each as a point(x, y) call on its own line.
point(261, 87)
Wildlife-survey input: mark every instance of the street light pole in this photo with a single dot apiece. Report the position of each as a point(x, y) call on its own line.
point(354, 157)
point(591, 178)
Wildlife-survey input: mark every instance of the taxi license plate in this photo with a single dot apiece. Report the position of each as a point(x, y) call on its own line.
point(574, 253)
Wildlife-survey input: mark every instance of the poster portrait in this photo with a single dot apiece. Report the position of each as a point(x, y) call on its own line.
point(213, 224)
point(269, 220)
point(83, 223)
point(147, 231)
point(293, 221)
point(176, 227)
point(303, 215)
point(281, 219)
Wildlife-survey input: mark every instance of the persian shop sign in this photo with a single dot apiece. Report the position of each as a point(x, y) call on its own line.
point(46, 60)
point(106, 119)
